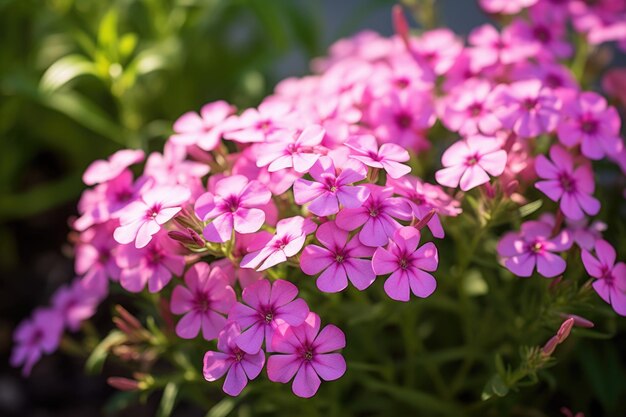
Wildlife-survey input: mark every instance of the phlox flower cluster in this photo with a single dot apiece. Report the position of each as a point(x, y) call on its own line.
point(320, 181)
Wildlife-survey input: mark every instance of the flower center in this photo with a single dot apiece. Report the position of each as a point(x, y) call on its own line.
point(269, 316)
point(404, 263)
point(475, 109)
point(238, 355)
point(530, 103)
point(537, 247)
point(202, 303)
point(308, 355)
point(472, 160)
point(153, 211)
point(588, 125)
point(404, 120)
point(567, 183)
point(542, 34)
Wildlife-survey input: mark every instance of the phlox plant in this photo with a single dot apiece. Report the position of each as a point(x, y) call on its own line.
point(423, 220)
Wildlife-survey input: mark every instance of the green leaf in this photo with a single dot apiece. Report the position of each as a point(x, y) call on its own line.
point(107, 34)
point(530, 208)
point(495, 386)
point(96, 360)
point(168, 400)
point(65, 70)
point(222, 408)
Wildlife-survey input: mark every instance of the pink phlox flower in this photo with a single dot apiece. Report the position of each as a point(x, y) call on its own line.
point(266, 307)
point(438, 48)
point(490, 47)
point(562, 182)
point(202, 129)
point(255, 125)
point(584, 233)
point(286, 242)
point(308, 354)
point(153, 264)
point(237, 365)
point(534, 246)
point(402, 117)
point(95, 258)
point(338, 260)
point(546, 33)
point(142, 219)
point(551, 74)
point(377, 216)
point(172, 167)
point(278, 182)
point(469, 109)
point(469, 162)
point(389, 156)
point(528, 108)
point(610, 283)
point(589, 121)
point(407, 265)
point(423, 198)
point(235, 205)
point(505, 6)
point(105, 170)
point(75, 304)
point(35, 336)
point(286, 150)
point(204, 301)
point(331, 189)
point(244, 244)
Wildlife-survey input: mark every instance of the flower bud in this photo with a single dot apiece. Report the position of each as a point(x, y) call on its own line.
point(123, 384)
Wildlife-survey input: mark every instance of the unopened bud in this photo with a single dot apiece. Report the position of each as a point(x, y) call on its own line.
point(550, 346)
point(511, 187)
point(400, 25)
point(579, 321)
point(196, 237)
point(565, 329)
point(123, 384)
point(424, 220)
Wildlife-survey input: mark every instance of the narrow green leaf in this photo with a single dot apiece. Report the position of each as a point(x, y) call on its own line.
point(101, 352)
point(168, 400)
point(530, 208)
point(222, 408)
point(65, 70)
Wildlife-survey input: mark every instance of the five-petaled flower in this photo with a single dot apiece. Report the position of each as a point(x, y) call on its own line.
point(610, 283)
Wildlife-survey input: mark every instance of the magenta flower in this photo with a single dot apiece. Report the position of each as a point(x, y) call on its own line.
point(75, 304)
point(267, 306)
point(105, 170)
point(172, 167)
point(142, 219)
point(202, 129)
point(204, 299)
point(286, 151)
point(256, 125)
point(490, 47)
point(534, 246)
point(244, 244)
point(95, 258)
point(235, 205)
point(377, 216)
point(469, 162)
point(338, 261)
point(288, 240)
point(589, 122)
point(529, 108)
point(153, 264)
point(35, 336)
point(307, 353)
point(238, 366)
point(330, 189)
point(388, 157)
point(407, 265)
point(610, 283)
point(505, 6)
point(573, 187)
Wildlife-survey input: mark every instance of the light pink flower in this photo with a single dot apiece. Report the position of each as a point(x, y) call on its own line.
point(307, 354)
point(330, 189)
point(203, 300)
point(244, 244)
point(407, 265)
point(234, 205)
point(105, 170)
point(438, 48)
point(142, 219)
point(202, 129)
point(377, 216)
point(172, 166)
point(469, 109)
point(153, 264)
point(528, 108)
point(255, 125)
point(506, 6)
point(610, 283)
point(286, 150)
point(238, 366)
point(266, 307)
point(533, 246)
point(35, 336)
point(389, 157)
point(338, 261)
point(288, 240)
point(490, 47)
point(467, 163)
point(572, 187)
point(95, 258)
point(588, 121)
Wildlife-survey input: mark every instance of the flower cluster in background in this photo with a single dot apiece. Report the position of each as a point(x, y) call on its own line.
point(326, 179)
